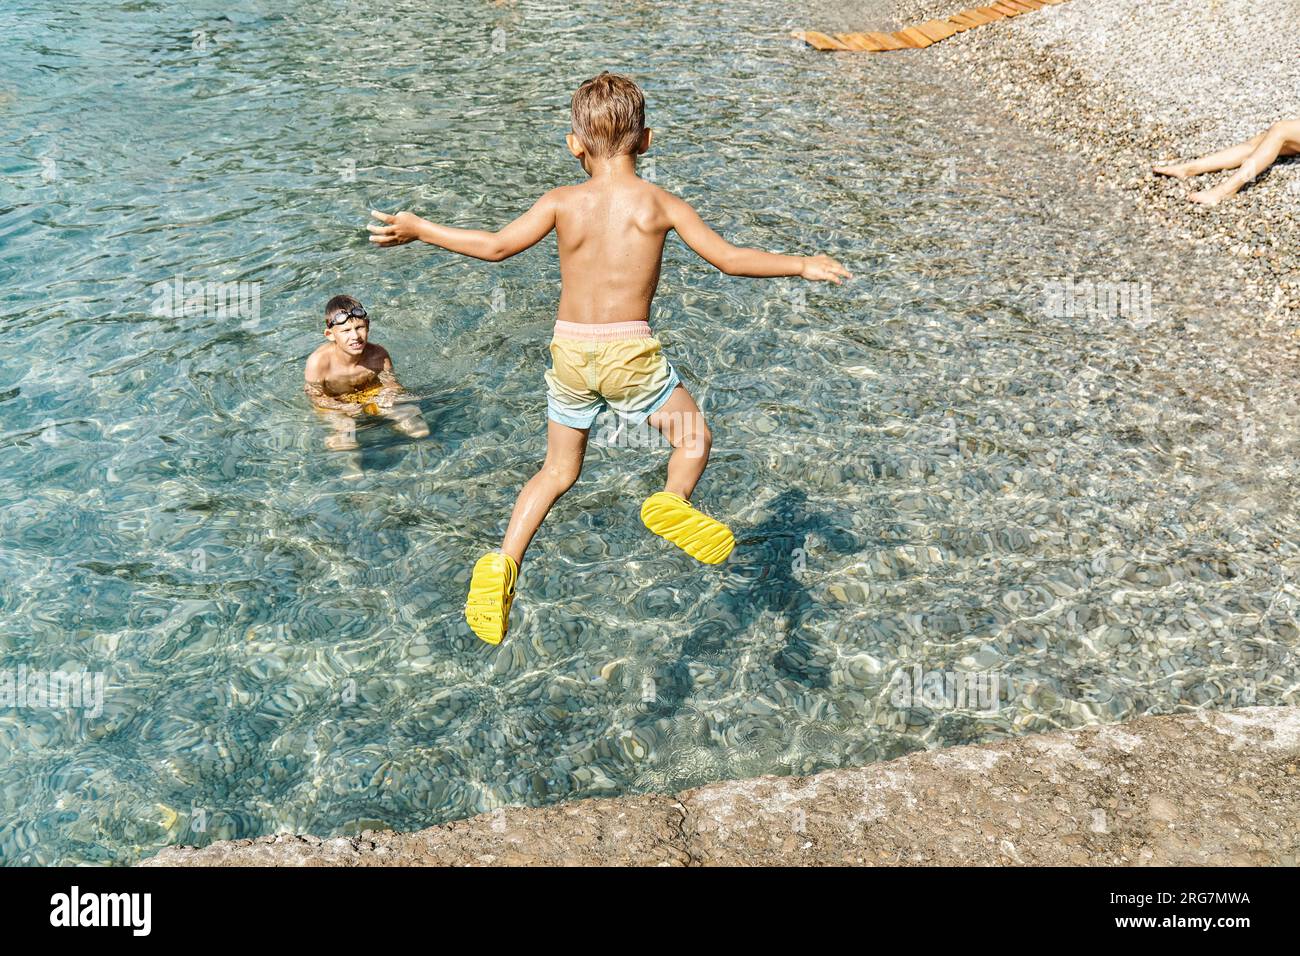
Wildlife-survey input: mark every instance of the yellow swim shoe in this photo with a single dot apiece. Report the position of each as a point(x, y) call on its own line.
point(491, 592)
point(672, 518)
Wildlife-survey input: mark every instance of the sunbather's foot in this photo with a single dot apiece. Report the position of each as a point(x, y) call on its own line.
point(674, 519)
point(1177, 170)
point(1205, 197)
point(491, 592)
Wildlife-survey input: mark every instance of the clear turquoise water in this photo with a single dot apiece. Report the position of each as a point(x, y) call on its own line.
point(922, 467)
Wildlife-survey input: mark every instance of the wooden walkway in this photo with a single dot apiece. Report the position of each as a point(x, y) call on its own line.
point(922, 35)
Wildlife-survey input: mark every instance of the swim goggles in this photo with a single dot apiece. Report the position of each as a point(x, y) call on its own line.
point(342, 317)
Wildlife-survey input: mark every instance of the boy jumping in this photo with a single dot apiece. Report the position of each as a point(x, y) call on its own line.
point(610, 231)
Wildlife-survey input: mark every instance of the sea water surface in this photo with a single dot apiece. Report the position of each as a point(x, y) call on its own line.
point(945, 469)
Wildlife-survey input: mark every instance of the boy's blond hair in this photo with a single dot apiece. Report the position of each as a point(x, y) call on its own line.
point(609, 115)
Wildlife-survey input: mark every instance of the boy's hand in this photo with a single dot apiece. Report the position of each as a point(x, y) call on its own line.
point(400, 229)
point(823, 269)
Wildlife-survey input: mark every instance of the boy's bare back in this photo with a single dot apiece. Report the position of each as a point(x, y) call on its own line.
point(610, 234)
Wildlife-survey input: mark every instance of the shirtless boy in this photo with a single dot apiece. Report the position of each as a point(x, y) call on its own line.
point(610, 231)
point(349, 375)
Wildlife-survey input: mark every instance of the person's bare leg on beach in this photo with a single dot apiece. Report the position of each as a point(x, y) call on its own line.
point(669, 513)
point(1250, 158)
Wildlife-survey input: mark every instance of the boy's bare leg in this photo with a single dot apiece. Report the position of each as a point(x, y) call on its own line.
point(682, 423)
point(1229, 158)
point(343, 438)
point(1282, 139)
point(669, 513)
point(565, 448)
point(407, 420)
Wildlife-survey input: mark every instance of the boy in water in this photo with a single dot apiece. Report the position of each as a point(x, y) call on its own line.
point(610, 231)
point(349, 375)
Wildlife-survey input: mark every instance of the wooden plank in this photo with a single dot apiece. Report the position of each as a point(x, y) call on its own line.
point(869, 44)
point(819, 41)
point(855, 41)
point(913, 38)
point(925, 34)
point(888, 41)
point(937, 30)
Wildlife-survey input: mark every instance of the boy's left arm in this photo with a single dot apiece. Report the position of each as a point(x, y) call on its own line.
point(528, 230)
point(388, 378)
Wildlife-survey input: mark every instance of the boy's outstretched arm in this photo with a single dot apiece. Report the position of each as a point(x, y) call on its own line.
point(738, 261)
point(527, 230)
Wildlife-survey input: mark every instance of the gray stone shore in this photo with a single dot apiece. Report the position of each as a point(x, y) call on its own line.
point(1211, 788)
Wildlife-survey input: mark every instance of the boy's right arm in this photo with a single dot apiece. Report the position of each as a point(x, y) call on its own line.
point(738, 261)
point(528, 230)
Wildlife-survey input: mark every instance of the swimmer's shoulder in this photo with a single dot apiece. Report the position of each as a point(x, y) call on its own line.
point(317, 363)
point(377, 356)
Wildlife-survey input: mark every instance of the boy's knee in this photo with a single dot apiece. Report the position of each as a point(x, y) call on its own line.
point(560, 476)
point(696, 437)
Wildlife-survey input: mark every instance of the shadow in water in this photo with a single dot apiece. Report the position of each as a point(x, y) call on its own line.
point(766, 583)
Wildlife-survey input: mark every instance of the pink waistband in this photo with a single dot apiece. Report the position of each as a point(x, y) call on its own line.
point(602, 331)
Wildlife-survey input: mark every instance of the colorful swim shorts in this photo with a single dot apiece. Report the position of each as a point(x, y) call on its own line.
point(365, 397)
point(616, 364)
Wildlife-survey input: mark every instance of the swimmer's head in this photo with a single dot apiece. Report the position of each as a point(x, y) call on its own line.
point(608, 119)
point(346, 324)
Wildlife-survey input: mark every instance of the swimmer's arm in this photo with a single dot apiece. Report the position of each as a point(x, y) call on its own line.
point(528, 230)
point(388, 378)
point(739, 261)
point(321, 399)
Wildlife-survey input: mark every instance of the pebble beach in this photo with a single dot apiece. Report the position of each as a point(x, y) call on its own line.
point(1129, 84)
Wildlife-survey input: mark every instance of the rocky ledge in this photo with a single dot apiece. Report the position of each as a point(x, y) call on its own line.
point(1205, 788)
